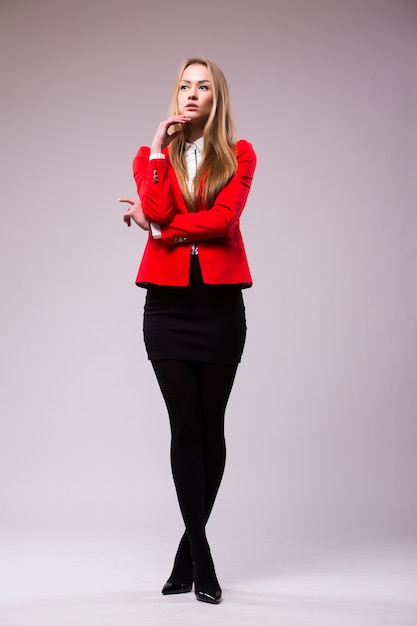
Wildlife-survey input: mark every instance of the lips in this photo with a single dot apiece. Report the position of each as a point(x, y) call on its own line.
point(191, 106)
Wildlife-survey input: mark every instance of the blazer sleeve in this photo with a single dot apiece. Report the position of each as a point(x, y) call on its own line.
point(224, 215)
point(154, 186)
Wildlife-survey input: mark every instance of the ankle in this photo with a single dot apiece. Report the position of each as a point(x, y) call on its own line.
point(204, 573)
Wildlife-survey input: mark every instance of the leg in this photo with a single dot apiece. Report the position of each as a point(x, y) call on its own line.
point(179, 385)
point(196, 395)
point(216, 380)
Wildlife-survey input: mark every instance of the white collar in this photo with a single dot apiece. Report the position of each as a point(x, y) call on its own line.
point(198, 143)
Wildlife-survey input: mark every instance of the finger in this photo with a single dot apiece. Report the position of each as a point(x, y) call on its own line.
point(127, 200)
point(177, 119)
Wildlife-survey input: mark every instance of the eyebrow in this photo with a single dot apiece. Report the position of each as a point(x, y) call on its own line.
point(189, 81)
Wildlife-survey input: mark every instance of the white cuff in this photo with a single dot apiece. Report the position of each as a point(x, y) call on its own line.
point(155, 230)
point(156, 155)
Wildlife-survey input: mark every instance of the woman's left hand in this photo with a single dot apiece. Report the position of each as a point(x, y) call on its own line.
point(135, 213)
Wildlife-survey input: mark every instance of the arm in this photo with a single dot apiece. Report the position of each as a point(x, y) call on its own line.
point(225, 212)
point(154, 187)
point(151, 175)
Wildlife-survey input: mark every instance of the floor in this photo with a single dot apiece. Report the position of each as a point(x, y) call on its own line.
point(109, 579)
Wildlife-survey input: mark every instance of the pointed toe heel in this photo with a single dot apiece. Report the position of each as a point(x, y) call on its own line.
point(171, 588)
point(212, 597)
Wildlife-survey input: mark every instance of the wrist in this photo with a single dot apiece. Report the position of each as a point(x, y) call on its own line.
point(156, 148)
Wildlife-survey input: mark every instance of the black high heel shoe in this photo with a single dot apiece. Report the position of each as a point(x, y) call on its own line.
point(206, 585)
point(170, 588)
point(212, 597)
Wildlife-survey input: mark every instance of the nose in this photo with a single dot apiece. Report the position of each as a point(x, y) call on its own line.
point(192, 93)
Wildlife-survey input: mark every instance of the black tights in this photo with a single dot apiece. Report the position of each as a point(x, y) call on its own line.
point(196, 396)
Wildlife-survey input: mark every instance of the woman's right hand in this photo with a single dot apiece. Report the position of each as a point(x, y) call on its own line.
point(162, 138)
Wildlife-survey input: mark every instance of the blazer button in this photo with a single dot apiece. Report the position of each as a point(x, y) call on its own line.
point(155, 177)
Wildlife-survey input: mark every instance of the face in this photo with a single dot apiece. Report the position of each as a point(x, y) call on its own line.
point(195, 94)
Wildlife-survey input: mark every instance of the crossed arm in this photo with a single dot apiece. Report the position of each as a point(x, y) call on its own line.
point(158, 206)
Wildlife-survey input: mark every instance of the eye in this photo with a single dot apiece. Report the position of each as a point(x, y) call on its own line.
point(183, 87)
point(204, 87)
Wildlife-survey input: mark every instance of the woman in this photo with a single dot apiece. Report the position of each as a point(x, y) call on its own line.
point(193, 183)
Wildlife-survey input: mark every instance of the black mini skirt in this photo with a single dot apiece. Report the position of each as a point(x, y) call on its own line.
point(195, 323)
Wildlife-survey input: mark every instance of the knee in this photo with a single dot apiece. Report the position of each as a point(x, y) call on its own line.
point(186, 431)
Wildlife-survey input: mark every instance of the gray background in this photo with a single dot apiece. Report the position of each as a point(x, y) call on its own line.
point(321, 425)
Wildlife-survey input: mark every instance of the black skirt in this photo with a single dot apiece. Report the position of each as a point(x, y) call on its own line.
point(195, 323)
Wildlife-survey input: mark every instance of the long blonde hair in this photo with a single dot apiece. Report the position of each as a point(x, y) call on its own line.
point(219, 157)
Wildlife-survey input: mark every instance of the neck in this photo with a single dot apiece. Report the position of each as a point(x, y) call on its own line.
point(194, 133)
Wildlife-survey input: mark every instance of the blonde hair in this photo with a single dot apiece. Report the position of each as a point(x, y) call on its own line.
point(219, 163)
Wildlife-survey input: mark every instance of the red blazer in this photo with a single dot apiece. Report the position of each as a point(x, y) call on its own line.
point(221, 251)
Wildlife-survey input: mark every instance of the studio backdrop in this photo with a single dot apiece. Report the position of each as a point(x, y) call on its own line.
point(321, 425)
